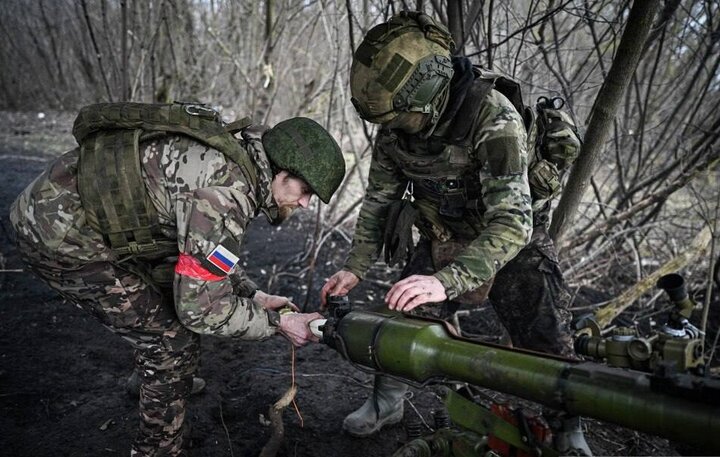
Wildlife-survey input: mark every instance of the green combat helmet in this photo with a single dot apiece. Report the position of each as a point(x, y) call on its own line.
point(402, 65)
point(304, 148)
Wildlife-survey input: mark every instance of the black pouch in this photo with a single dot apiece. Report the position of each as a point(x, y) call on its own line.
point(398, 240)
point(453, 205)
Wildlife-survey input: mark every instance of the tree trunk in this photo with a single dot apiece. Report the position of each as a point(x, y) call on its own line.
point(455, 24)
point(124, 70)
point(268, 78)
point(603, 111)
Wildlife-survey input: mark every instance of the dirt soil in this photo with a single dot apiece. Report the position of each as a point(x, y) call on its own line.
point(62, 374)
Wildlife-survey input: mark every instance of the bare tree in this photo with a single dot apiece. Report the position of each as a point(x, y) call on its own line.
point(606, 105)
point(651, 133)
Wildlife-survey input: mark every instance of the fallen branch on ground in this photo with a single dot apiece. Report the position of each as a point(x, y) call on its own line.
point(272, 447)
point(607, 313)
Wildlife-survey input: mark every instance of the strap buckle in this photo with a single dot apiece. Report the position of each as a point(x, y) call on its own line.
point(135, 248)
point(409, 190)
point(201, 111)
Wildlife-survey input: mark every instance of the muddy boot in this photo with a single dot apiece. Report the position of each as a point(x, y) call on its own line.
point(132, 385)
point(384, 407)
point(568, 436)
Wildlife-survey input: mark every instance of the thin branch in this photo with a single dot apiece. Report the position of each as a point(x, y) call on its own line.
point(98, 54)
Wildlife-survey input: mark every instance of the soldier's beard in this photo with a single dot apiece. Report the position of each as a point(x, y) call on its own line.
point(283, 213)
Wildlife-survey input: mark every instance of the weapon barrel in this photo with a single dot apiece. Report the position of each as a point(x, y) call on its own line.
point(679, 407)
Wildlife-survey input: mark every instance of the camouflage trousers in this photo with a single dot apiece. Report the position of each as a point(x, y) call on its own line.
point(528, 294)
point(166, 353)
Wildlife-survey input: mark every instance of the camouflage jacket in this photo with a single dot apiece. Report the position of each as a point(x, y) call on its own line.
point(202, 200)
point(493, 234)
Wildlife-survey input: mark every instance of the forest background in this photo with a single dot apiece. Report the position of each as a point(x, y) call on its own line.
point(643, 192)
point(641, 80)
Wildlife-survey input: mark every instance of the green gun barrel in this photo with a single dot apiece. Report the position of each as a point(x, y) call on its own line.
point(676, 406)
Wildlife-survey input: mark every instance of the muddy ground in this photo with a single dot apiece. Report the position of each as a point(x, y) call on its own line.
point(62, 374)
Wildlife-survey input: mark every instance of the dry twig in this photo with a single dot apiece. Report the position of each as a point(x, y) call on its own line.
point(272, 447)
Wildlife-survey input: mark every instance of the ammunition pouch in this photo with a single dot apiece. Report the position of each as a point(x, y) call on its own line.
point(454, 195)
point(558, 140)
point(544, 179)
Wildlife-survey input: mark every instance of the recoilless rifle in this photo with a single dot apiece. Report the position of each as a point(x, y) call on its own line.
point(653, 384)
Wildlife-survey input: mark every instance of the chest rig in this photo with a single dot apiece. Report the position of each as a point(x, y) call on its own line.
point(110, 181)
point(445, 169)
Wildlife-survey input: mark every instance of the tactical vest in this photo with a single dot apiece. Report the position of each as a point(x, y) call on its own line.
point(448, 173)
point(110, 182)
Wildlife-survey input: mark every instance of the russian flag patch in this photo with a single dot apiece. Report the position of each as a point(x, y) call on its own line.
point(222, 258)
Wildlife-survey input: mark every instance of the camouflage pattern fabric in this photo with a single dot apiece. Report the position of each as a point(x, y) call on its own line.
point(495, 234)
point(532, 278)
point(499, 228)
point(531, 299)
point(166, 353)
point(202, 200)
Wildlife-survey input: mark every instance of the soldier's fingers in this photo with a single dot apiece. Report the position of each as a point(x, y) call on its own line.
point(344, 285)
point(417, 301)
point(396, 291)
point(403, 294)
point(325, 291)
point(392, 296)
point(400, 287)
point(416, 294)
point(339, 289)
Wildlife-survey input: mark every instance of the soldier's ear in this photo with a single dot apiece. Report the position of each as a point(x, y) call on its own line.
point(283, 175)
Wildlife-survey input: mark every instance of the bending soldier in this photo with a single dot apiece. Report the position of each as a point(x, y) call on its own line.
point(143, 230)
point(451, 158)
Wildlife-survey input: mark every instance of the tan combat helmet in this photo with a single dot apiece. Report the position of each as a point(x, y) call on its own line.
point(402, 65)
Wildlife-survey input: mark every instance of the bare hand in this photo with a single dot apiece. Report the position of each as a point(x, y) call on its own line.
point(340, 283)
point(414, 291)
point(295, 326)
point(273, 301)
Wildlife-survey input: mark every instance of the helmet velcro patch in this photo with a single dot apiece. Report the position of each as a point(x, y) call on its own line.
point(393, 74)
point(365, 53)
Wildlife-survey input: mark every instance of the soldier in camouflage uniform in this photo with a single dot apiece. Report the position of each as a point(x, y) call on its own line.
point(470, 190)
point(204, 202)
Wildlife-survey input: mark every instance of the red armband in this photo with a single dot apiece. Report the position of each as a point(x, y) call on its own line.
point(188, 265)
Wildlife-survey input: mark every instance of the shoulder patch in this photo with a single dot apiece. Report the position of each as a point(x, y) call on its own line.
point(223, 259)
point(504, 156)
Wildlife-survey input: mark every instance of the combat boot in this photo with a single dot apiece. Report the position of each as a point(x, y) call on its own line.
point(568, 437)
point(384, 407)
point(132, 385)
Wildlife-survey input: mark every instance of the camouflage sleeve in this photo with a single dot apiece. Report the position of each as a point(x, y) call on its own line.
point(507, 221)
point(211, 225)
point(385, 185)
